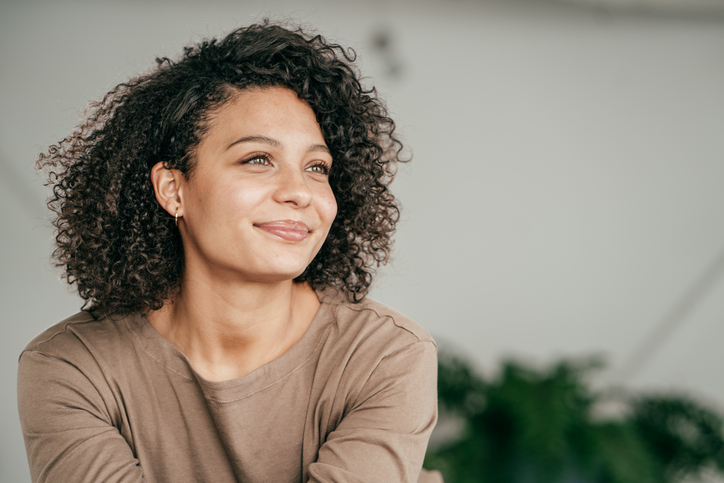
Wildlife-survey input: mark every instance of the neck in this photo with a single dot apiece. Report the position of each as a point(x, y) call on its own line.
point(227, 332)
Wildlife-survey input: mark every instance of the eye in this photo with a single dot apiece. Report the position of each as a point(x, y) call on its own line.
point(257, 160)
point(320, 167)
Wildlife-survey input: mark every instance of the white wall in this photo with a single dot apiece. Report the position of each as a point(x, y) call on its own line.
point(564, 199)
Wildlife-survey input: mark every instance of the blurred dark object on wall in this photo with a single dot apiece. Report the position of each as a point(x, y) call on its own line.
point(531, 425)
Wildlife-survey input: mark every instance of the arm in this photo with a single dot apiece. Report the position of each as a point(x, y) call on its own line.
point(68, 430)
point(384, 435)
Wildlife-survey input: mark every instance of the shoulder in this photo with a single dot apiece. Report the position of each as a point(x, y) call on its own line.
point(81, 358)
point(80, 335)
point(369, 311)
point(60, 332)
point(375, 327)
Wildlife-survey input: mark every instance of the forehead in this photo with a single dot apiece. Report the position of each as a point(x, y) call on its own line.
point(270, 112)
point(264, 107)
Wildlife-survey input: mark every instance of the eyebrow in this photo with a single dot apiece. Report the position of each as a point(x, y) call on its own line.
point(273, 142)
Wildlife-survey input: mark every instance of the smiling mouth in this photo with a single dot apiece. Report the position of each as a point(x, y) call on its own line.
point(289, 230)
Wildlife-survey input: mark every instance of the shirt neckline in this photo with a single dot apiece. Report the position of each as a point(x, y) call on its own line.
point(165, 354)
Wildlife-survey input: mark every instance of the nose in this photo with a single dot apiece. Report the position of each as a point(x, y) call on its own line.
point(292, 188)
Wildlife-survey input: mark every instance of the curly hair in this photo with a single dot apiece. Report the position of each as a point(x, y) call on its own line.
point(122, 248)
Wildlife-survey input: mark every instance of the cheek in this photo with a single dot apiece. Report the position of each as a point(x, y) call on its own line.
point(328, 207)
point(219, 210)
point(237, 201)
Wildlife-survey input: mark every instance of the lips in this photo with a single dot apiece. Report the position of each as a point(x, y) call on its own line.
point(289, 230)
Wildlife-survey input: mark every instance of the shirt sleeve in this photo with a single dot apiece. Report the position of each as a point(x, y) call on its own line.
point(384, 436)
point(68, 429)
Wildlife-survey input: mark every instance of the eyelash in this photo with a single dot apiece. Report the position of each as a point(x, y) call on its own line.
point(265, 158)
point(323, 165)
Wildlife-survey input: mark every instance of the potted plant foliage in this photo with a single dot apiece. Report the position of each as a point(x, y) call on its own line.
point(532, 425)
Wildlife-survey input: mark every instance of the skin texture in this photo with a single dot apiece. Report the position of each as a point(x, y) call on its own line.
point(260, 179)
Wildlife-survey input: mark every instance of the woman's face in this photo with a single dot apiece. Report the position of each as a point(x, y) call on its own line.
point(258, 205)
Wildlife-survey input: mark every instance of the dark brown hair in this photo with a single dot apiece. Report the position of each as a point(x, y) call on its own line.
point(114, 239)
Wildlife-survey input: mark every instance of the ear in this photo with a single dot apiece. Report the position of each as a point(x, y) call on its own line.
point(168, 186)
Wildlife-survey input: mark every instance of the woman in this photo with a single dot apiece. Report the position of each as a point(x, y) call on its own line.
point(221, 216)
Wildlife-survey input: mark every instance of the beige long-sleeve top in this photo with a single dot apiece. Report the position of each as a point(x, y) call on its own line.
point(111, 400)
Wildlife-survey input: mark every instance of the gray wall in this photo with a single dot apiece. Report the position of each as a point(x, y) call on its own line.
point(564, 199)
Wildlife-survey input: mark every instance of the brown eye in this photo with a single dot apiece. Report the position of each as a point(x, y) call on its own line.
point(257, 160)
point(320, 168)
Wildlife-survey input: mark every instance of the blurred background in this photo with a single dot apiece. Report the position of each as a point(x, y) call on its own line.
point(564, 198)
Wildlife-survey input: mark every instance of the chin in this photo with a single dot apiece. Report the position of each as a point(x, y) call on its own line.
point(280, 275)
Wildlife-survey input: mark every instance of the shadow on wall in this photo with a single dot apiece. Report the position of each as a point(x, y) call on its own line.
point(543, 426)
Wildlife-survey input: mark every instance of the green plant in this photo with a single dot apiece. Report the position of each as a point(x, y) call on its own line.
point(539, 426)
